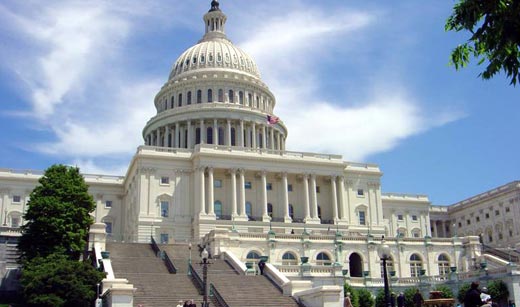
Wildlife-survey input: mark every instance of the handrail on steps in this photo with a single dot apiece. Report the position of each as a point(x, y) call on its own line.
point(217, 297)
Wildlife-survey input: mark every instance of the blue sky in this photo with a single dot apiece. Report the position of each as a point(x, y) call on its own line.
point(366, 79)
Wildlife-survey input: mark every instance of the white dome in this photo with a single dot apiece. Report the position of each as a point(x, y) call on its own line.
point(217, 53)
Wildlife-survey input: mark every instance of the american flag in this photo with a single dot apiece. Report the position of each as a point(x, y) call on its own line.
point(271, 119)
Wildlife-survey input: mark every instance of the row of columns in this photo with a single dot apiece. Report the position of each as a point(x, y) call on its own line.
point(238, 209)
point(182, 135)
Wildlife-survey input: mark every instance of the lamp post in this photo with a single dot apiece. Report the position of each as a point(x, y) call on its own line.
point(384, 253)
point(204, 255)
point(189, 260)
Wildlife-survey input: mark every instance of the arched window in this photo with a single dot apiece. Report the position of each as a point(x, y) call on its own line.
point(189, 98)
point(197, 136)
point(179, 102)
point(253, 257)
point(199, 96)
point(389, 266)
point(233, 137)
point(220, 136)
point(323, 259)
point(231, 95)
point(249, 209)
point(241, 97)
point(291, 211)
point(444, 266)
point(217, 207)
point(220, 95)
point(289, 259)
point(210, 95)
point(270, 209)
point(415, 265)
point(172, 102)
point(209, 135)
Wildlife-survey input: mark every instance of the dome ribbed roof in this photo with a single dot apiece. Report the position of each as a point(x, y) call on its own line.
point(214, 50)
point(214, 53)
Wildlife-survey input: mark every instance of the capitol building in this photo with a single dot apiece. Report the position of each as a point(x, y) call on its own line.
point(213, 170)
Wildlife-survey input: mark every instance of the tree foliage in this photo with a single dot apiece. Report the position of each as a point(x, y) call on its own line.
point(57, 217)
point(365, 298)
point(446, 291)
point(408, 297)
point(498, 291)
point(495, 36)
point(354, 297)
point(58, 281)
point(462, 291)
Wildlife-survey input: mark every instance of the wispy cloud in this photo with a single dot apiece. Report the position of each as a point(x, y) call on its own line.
point(289, 51)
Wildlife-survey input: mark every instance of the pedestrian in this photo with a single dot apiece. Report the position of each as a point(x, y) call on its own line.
point(261, 266)
point(472, 297)
point(484, 294)
point(348, 300)
point(487, 302)
point(180, 304)
point(392, 299)
point(400, 300)
point(418, 299)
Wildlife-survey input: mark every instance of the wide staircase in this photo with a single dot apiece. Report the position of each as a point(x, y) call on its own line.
point(156, 287)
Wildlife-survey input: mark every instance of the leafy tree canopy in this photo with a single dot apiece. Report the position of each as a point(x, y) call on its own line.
point(58, 281)
point(495, 36)
point(57, 217)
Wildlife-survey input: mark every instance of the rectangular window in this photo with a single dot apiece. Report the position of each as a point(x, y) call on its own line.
point(362, 220)
point(164, 238)
point(17, 198)
point(497, 212)
point(360, 192)
point(165, 206)
point(460, 224)
point(414, 218)
point(165, 180)
point(317, 189)
point(400, 217)
point(507, 209)
point(248, 185)
point(487, 215)
point(15, 222)
point(468, 222)
point(415, 234)
point(108, 227)
point(108, 204)
point(217, 183)
point(477, 219)
point(269, 186)
point(289, 187)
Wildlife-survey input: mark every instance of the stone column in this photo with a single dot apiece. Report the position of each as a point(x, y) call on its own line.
point(264, 137)
point(342, 211)
point(166, 136)
point(241, 142)
point(286, 217)
point(211, 194)
point(189, 143)
point(242, 195)
point(334, 198)
point(177, 135)
point(202, 132)
point(253, 137)
point(314, 199)
point(306, 207)
point(265, 215)
point(202, 189)
point(215, 132)
point(233, 184)
point(272, 138)
point(228, 132)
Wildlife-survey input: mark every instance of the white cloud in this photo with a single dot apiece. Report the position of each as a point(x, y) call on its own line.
point(289, 51)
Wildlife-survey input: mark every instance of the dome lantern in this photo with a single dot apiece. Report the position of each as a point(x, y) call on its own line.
point(214, 21)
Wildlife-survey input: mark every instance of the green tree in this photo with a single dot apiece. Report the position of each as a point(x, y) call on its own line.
point(354, 297)
point(462, 292)
point(57, 217)
point(408, 297)
point(445, 291)
point(498, 291)
point(495, 36)
point(365, 298)
point(58, 281)
point(380, 298)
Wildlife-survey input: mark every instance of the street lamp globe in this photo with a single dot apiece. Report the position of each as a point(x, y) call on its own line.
point(204, 255)
point(383, 250)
